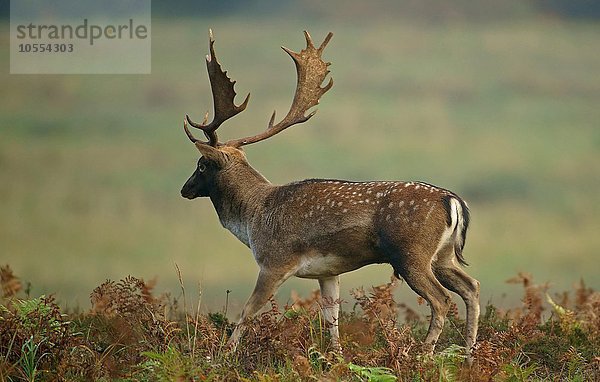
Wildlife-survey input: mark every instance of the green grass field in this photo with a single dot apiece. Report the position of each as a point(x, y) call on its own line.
point(505, 113)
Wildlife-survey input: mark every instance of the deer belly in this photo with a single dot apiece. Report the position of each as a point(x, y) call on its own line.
point(314, 266)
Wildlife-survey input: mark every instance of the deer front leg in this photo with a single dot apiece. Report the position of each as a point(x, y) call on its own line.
point(266, 285)
point(330, 294)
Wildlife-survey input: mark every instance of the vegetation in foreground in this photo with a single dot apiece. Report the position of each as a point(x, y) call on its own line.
point(131, 334)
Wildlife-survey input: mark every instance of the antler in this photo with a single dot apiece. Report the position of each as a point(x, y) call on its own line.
point(312, 71)
point(223, 99)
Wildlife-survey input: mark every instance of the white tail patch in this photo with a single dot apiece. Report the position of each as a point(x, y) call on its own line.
point(449, 234)
point(458, 237)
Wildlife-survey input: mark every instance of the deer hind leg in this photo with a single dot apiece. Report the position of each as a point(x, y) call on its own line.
point(266, 285)
point(459, 282)
point(421, 279)
point(330, 294)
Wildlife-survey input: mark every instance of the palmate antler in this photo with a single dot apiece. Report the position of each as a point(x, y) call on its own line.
point(223, 98)
point(311, 71)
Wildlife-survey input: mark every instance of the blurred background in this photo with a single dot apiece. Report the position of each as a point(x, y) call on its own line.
point(498, 101)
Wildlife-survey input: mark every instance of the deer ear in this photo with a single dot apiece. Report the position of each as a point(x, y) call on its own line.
point(210, 152)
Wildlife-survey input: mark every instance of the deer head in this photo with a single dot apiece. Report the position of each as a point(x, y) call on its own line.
point(216, 156)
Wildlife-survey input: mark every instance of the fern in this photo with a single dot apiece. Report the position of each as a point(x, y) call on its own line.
point(448, 362)
point(30, 312)
point(373, 374)
point(170, 365)
point(516, 372)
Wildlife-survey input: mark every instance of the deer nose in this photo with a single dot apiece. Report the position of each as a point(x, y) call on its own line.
point(186, 193)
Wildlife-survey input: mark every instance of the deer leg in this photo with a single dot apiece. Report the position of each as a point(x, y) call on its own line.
point(330, 295)
point(266, 285)
point(456, 280)
point(423, 282)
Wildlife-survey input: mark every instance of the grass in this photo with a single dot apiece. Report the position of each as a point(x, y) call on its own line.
point(132, 334)
point(504, 113)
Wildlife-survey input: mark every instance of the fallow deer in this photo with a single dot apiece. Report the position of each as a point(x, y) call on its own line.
point(319, 229)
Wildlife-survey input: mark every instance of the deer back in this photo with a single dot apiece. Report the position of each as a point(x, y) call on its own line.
point(363, 222)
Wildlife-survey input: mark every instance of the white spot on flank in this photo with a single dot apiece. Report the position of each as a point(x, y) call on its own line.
point(429, 212)
point(412, 202)
point(345, 210)
point(391, 205)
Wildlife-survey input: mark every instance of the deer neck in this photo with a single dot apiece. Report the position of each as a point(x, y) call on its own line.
point(238, 196)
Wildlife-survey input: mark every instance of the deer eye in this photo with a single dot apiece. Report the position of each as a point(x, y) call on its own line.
point(201, 167)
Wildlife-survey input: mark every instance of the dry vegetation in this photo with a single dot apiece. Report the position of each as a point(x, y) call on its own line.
point(132, 334)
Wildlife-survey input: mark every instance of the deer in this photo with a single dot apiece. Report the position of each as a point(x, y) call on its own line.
point(322, 228)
